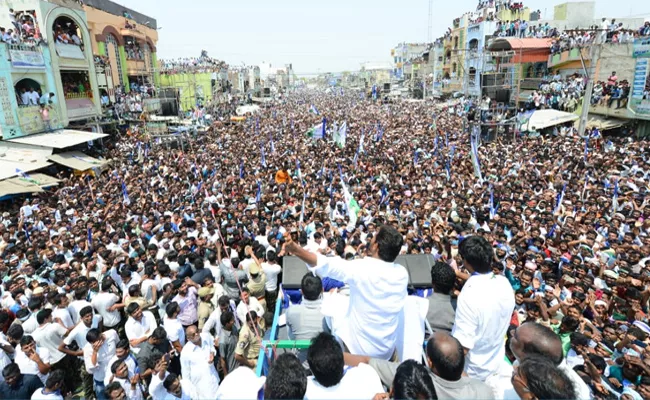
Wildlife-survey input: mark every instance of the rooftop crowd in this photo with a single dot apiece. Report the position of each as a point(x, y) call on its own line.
point(158, 277)
point(201, 64)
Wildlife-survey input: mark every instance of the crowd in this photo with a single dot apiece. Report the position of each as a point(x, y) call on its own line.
point(201, 64)
point(558, 93)
point(25, 29)
point(158, 277)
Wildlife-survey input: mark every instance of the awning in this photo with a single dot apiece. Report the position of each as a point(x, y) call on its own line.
point(23, 153)
point(11, 187)
point(37, 179)
point(541, 119)
point(603, 123)
point(9, 168)
point(59, 139)
point(77, 160)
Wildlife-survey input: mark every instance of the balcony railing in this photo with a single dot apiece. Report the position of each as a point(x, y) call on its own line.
point(79, 95)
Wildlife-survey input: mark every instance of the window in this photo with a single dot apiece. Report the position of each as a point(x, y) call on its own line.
point(27, 92)
point(453, 68)
point(112, 42)
point(133, 49)
point(66, 31)
point(473, 45)
point(76, 85)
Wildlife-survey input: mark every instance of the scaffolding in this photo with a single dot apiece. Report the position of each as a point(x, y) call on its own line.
point(500, 82)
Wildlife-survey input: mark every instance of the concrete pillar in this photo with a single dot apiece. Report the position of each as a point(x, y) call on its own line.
point(125, 75)
point(156, 69)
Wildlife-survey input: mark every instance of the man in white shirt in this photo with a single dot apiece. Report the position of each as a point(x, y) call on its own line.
point(272, 269)
point(78, 334)
point(50, 335)
point(99, 349)
point(52, 389)
point(331, 379)
point(214, 320)
point(173, 327)
point(248, 303)
point(377, 293)
point(60, 313)
point(108, 304)
point(139, 326)
point(197, 362)
point(34, 97)
point(32, 359)
point(78, 303)
point(483, 311)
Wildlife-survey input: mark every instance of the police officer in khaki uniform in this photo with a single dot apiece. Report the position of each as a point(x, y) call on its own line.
point(257, 284)
point(249, 344)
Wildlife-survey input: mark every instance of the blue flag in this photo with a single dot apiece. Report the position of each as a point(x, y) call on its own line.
point(263, 157)
point(241, 170)
point(258, 197)
point(384, 195)
point(125, 195)
point(559, 199)
point(90, 236)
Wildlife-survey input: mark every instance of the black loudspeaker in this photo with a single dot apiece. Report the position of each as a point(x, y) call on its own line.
point(502, 96)
point(293, 269)
point(417, 265)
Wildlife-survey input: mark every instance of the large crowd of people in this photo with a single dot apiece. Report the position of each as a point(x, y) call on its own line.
point(201, 64)
point(159, 276)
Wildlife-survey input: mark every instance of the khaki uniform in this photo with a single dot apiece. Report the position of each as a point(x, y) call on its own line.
point(249, 344)
point(204, 310)
point(257, 287)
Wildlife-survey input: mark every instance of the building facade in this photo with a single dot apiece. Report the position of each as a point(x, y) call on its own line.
point(55, 57)
point(127, 39)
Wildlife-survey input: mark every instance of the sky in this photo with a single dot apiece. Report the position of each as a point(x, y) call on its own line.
point(316, 37)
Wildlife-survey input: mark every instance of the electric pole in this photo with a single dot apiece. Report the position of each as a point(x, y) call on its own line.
point(594, 54)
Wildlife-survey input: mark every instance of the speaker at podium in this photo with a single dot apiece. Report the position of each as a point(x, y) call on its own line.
point(417, 265)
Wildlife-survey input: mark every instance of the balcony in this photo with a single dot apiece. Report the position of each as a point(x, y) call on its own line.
point(80, 105)
point(31, 121)
point(555, 60)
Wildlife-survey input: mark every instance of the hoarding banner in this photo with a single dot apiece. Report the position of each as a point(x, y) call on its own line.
point(27, 59)
point(641, 48)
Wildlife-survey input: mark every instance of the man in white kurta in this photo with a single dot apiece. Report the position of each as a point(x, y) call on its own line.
point(197, 362)
point(378, 291)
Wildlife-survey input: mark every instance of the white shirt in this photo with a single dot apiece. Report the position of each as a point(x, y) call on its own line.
point(147, 288)
point(31, 324)
point(104, 354)
point(272, 271)
point(253, 305)
point(39, 395)
point(25, 98)
point(34, 97)
point(75, 307)
point(131, 394)
point(78, 333)
point(483, 315)
point(196, 368)
point(101, 302)
point(138, 330)
point(64, 315)
point(174, 330)
point(27, 366)
point(50, 336)
point(377, 298)
point(360, 382)
point(130, 365)
point(158, 391)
